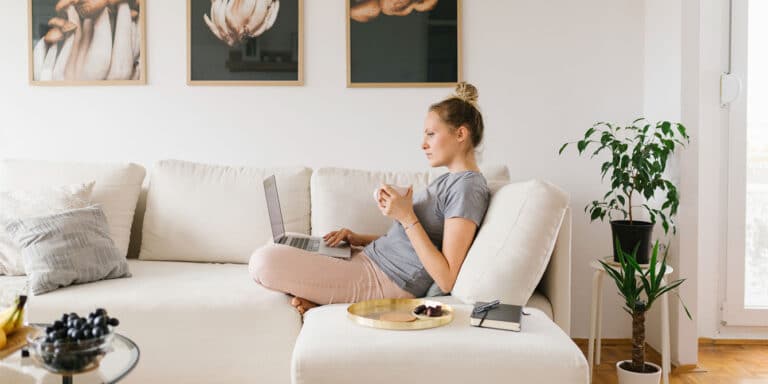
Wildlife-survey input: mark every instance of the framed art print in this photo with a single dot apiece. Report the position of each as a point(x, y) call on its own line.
point(403, 43)
point(87, 42)
point(245, 42)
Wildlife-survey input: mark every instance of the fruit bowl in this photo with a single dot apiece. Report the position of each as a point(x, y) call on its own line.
point(69, 357)
point(73, 344)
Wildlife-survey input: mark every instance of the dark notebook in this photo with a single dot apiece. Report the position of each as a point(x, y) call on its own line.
point(503, 316)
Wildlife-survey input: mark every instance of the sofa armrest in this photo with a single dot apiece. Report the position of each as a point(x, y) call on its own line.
point(556, 282)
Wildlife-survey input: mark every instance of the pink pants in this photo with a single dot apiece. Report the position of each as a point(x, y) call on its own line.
point(322, 279)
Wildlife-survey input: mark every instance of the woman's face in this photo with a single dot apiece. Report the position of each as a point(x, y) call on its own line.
point(439, 144)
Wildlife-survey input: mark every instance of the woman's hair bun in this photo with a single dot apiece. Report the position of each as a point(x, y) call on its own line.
point(466, 92)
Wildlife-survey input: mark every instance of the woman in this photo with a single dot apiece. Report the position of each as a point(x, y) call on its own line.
point(430, 236)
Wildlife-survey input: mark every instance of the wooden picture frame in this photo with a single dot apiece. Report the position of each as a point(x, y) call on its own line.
point(356, 77)
point(68, 30)
point(288, 64)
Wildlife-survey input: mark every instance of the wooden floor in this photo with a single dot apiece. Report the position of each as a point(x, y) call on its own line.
point(726, 364)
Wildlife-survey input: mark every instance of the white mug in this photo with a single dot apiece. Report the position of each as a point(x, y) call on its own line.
point(400, 189)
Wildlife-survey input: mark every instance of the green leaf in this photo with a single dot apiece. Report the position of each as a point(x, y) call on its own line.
point(604, 169)
point(589, 133)
point(560, 152)
point(624, 161)
point(665, 128)
point(581, 145)
point(684, 307)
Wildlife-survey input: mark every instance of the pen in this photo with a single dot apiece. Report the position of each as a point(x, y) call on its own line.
point(487, 306)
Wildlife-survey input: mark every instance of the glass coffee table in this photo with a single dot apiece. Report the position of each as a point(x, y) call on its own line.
point(20, 368)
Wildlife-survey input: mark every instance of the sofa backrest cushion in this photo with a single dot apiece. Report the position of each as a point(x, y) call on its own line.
point(514, 244)
point(215, 213)
point(116, 190)
point(344, 197)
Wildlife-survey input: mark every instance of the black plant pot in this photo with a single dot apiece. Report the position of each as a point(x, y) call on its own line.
point(630, 235)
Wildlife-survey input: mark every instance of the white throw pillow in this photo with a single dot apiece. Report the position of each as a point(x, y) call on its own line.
point(216, 213)
point(514, 244)
point(25, 203)
point(117, 187)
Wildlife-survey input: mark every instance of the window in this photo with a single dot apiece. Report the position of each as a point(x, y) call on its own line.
point(747, 265)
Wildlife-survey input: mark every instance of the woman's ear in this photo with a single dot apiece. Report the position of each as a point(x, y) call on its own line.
point(462, 133)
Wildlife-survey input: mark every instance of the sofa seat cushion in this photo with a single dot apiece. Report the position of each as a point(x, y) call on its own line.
point(190, 319)
point(333, 349)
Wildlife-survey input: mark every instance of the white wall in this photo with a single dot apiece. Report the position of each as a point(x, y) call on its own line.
point(546, 71)
point(662, 101)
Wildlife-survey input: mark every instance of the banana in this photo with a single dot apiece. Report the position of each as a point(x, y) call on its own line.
point(9, 323)
point(19, 320)
point(8, 327)
point(6, 314)
point(3, 339)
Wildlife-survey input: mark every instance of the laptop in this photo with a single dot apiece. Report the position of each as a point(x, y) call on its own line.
point(307, 243)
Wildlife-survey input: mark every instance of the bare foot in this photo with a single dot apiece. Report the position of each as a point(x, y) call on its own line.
point(302, 305)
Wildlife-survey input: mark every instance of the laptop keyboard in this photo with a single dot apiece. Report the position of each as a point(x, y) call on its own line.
point(305, 243)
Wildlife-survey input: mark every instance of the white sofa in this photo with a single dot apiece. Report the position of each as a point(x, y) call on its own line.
point(197, 316)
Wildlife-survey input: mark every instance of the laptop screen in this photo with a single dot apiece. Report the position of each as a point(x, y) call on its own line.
point(273, 206)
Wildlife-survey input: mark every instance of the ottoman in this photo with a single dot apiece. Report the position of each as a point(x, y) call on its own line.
point(332, 349)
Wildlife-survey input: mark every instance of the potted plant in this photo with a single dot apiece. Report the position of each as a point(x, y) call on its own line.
point(639, 155)
point(632, 281)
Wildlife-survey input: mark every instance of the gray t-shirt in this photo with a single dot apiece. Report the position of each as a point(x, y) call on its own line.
point(460, 194)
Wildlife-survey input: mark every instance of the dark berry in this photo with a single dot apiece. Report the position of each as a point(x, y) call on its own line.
point(113, 322)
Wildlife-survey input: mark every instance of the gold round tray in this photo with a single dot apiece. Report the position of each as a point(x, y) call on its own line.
point(368, 313)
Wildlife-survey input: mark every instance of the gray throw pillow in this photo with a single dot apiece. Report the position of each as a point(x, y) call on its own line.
point(70, 247)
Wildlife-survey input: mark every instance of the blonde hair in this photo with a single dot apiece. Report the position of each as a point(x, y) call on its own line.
point(461, 109)
point(467, 92)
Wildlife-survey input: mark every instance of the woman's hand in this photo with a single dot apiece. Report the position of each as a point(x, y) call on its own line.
point(394, 205)
point(333, 239)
